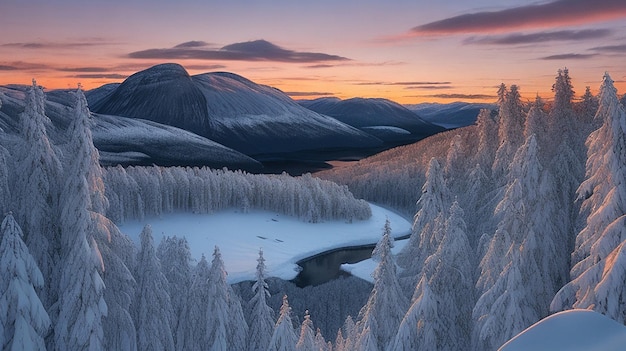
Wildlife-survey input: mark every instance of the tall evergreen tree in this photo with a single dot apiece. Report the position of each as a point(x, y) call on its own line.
point(510, 131)
point(433, 202)
point(151, 307)
point(382, 314)
point(306, 342)
point(418, 329)
point(23, 319)
point(598, 260)
point(175, 258)
point(262, 320)
point(284, 336)
point(81, 302)
point(38, 175)
point(192, 331)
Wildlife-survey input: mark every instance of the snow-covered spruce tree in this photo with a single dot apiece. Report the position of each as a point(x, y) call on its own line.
point(507, 307)
point(588, 106)
point(510, 131)
point(418, 329)
point(261, 319)
point(5, 194)
point(450, 275)
point(536, 122)
point(434, 201)
point(284, 336)
point(192, 332)
point(320, 343)
point(175, 258)
point(348, 336)
point(237, 326)
point(598, 259)
point(487, 139)
point(81, 305)
point(222, 326)
point(151, 307)
point(306, 342)
point(382, 314)
point(23, 320)
point(37, 178)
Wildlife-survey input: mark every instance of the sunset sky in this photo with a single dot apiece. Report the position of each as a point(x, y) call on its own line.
point(409, 51)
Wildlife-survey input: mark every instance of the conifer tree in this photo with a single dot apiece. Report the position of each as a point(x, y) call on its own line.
point(81, 305)
point(175, 258)
point(386, 305)
point(306, 342)
point(433, 202)
point(262, 320)
point(191, 333)
point(418, 329)
point(38, 176)
point(510, 131)
point(284, 336)
point(598, 260)
point(152, 307)
point(23, 320)
point(217, 310)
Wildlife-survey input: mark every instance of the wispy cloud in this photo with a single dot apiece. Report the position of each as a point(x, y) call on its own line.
point(22, 66)
point(83, 69)
point(543, 15)
point(257, 50)
point(57, 44)
point(308, 93)
point(541, 37)
point(570, 56)
point(610, 48)
point(457, 96)
point(357, 64)
point(100, 76)
point(429, 87)
point(416, 83)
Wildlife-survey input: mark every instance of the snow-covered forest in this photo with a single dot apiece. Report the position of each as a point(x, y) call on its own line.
point(517, 217)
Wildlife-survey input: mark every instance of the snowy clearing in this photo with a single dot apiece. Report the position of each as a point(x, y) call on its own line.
point(285, 240)
point(573, 330)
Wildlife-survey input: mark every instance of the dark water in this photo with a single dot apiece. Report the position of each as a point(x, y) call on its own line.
point(325, 266)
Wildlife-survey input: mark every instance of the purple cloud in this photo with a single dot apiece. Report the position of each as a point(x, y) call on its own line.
point(543, 15)
point(568, 57)
point(562, 35)
point(258, 50)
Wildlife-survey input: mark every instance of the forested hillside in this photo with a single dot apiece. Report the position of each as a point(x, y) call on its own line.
point(516, 217)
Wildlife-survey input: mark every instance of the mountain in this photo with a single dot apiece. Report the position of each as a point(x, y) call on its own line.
point(383, 118)
point(452, 115)
point(123, 140)
point(256, 120)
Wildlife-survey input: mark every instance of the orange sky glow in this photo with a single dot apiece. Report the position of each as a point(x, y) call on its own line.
point(406, 51)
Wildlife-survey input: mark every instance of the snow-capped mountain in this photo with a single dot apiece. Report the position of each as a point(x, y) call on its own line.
point(125, 140)
point(229, 109)
point(453, 115)
point(383, 118)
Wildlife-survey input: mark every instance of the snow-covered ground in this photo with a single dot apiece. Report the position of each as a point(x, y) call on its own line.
point(365, 268)
point(573, 330)
point(284, 239)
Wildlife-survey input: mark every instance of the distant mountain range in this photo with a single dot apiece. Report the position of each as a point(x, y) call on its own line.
point(387, 120)
point(453, 115)
point(163, 115)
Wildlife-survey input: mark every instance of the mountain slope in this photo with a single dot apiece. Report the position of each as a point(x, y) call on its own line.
point(123, 140)
point(372, 115)
point(229, 109)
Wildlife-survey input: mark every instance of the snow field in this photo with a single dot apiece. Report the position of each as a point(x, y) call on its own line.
point(285, 240)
